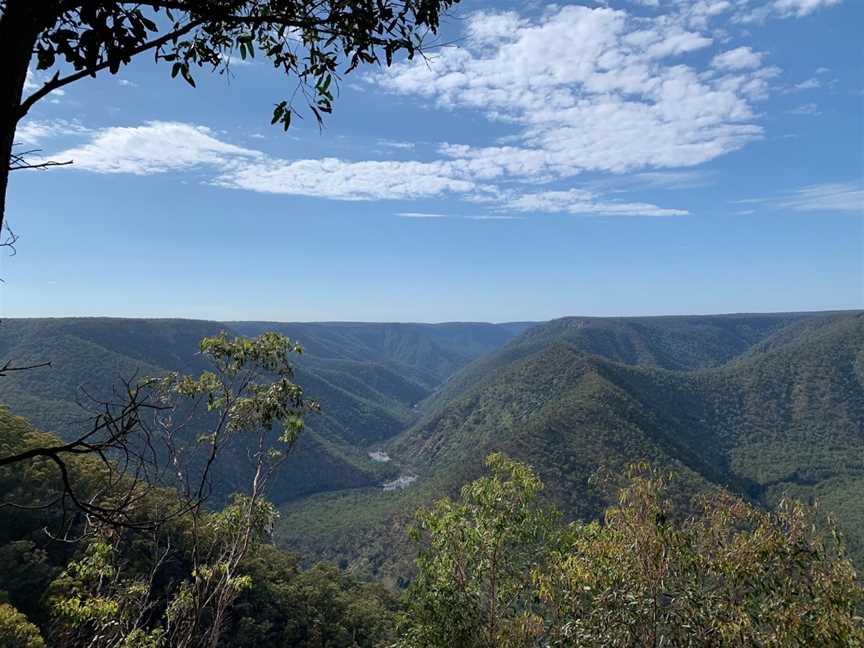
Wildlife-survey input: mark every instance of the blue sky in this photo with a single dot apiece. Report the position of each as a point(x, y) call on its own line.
point(632, 157)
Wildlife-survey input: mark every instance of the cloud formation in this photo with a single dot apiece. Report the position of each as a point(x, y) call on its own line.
point(750, 11)
point(154, 147)
point(159, 147)
point(640, 100)
point(578, 201)
point(32, 132)
point(832, 196)
point(591, 90)
point(740, 58)
point(342, 180)
point(801, 8)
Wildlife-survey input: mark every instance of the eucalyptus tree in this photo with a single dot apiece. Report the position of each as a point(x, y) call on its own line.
point(498, 569)
point(135, 492)
point(168, 432)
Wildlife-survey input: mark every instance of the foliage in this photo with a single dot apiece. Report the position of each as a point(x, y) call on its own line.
point(320, 607)
point(730, 575)
point(473, 583)
point(778, 419)
point(94, 604)
point(301, 39)
point(142, 590)
point(243, 404)
point(176, 584)
point(16, 631)
point(99, 601)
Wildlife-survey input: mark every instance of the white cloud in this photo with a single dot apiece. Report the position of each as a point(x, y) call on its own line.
point(420, 215)
point(748, 11)
point(807, 84)
point(671, 179)
point(834, 196)
point(587, 89)
point(155, 147)
point(34, 80)
point(396, 144)
point(343, 180)
point(827, 196)
point(231, 60)
point(580, 89)
point(820, 80)
point(808, 110)
point(159, 147)
point(579, 201)
point(800, 8)
point(740, 58)
point(492, 217)
point(32, 132)
point(30, 83)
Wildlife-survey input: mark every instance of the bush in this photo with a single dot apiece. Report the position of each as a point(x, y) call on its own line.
point(16, 631)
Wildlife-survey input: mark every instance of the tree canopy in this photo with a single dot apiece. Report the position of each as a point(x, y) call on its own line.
point(496, 569)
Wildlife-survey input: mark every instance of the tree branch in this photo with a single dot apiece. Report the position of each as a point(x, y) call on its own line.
point(7, 368)
point(58, 82)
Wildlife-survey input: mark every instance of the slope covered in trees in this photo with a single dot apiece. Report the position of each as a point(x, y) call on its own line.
point(776, 410)
point(763, 405)
point(368, 377)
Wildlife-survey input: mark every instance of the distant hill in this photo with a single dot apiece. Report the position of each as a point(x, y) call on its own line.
point(760, 405)
point(428, 354)
point(368, 377)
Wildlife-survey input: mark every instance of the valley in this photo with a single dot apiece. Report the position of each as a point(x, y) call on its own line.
point(763, 406)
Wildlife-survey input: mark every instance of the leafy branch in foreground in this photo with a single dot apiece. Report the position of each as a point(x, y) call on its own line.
point(168, 432)
point(303, 40)
point(496, 570)
point(146, 485)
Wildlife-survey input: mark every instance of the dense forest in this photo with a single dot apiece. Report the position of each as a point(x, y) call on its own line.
point(730, 430)
point(370, 376)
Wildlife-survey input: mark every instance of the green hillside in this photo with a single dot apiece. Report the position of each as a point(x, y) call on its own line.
point(368, 378)
point(673, 342)
point(762, 405)
point(782, 415)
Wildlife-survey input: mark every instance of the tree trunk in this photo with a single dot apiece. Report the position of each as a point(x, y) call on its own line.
point(19, 28)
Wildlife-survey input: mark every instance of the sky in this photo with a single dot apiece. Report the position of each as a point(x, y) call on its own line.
point(633, 157)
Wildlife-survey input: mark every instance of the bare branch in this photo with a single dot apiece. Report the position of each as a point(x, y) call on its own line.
point(9, 368)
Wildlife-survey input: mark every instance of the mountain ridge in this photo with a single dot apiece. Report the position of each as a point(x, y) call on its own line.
point(568, 412)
